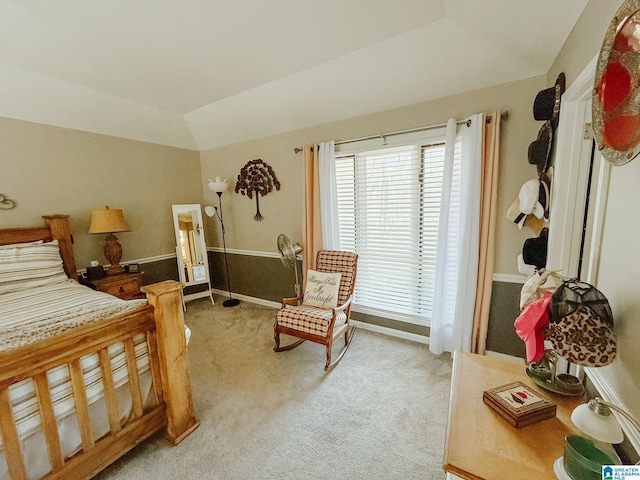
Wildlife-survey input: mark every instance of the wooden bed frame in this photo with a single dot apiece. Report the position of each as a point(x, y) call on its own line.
point(162, 321)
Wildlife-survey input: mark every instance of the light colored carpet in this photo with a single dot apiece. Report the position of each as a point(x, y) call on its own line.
point(380, 414)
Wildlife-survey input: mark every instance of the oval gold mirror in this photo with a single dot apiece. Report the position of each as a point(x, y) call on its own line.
point(616, 93)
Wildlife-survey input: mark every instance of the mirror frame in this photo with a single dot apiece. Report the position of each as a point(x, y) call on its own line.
point(629, 106)
point(200, 243)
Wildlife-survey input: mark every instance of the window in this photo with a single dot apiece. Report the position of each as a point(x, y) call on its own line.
point(389, 213)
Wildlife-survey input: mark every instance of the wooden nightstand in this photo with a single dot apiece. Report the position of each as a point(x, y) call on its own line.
point(125, 286)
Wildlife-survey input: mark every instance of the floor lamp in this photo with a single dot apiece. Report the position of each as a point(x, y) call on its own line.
point(220, 186)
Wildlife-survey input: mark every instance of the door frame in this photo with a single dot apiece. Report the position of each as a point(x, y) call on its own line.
point(568, 203)
point(569, 189)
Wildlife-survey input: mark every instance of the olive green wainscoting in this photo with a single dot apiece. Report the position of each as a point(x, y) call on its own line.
point(503, 311)
point(155, 271)
point(258, 276)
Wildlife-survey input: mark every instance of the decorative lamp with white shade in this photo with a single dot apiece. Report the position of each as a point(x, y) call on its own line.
point(595, 419)
point(584, 457)
point(219, 186)
point(110, 220)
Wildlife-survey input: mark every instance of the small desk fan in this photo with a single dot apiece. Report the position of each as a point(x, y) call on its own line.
point(288, 255)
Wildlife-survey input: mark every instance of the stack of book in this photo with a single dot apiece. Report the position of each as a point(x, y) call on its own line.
point(519, 404)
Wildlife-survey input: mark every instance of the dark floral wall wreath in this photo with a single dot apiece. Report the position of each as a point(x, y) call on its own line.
point(257, 179)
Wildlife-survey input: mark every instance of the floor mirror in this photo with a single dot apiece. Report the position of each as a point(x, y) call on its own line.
point(191, 251)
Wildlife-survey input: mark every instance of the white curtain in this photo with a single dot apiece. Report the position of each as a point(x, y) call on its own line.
point(458, 238)
point(328, 196)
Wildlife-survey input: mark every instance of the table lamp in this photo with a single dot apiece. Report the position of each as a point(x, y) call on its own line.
point(595, 419)
point(584, 457)
point(110, 220)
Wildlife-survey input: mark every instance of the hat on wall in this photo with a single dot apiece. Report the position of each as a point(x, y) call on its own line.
point(534, 198)
point(546, 106)
point(581, 325)
point(515, 215)
point(534, 250)
point(539, 153)
point(531, 208)
point(530, 326)
point(525, 269)
point(535, 224)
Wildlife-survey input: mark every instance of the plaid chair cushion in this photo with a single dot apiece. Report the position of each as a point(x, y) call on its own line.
point(309, 319)
point(334, 261)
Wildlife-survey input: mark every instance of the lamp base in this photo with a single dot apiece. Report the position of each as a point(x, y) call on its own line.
point(115, 270)
point(231, 302)
point(113, 253)
point(558, 469)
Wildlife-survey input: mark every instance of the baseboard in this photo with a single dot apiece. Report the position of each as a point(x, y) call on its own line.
point(247, 298)
point(392, 332)
point(364, 325)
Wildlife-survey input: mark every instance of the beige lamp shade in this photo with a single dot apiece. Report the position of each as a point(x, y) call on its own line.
point(108, 220)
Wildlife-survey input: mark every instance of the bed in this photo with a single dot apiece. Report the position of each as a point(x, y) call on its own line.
point(84, 376)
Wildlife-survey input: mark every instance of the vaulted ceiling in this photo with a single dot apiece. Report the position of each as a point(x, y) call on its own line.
point(204, 73)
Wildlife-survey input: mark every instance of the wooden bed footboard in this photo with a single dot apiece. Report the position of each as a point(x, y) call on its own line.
point(169, 406)
point(163, 324)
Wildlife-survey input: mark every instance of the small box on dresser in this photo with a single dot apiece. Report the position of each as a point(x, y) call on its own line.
point(519, 404)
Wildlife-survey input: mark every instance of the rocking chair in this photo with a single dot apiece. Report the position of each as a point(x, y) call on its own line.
point(321, 325)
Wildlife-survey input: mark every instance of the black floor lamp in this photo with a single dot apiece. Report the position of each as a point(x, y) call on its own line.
point(220, 186)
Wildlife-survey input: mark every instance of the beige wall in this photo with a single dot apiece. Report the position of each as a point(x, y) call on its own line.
point(48, 170)
point(619, 267)
point(283, 209)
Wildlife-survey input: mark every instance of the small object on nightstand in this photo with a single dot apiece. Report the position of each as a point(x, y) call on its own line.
point(125, 286)
point(131, 268)
point(95, 273)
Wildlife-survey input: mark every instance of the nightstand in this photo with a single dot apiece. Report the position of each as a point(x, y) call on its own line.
point(125, 286)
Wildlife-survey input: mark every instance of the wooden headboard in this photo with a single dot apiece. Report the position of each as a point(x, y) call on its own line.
point(56, 228)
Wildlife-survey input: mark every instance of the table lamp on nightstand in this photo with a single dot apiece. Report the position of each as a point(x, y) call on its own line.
point(110, 220)
point(584, 456)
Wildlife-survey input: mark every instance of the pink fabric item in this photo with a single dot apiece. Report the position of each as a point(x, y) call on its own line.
point(530, 326)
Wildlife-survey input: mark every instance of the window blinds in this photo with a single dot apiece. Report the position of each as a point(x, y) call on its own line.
point(388, 212)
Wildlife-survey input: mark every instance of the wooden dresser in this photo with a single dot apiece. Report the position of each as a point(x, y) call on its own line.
point(481, 445)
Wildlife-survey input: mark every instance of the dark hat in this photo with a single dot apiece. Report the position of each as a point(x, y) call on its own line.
point(534, 250)
point(581, 325)
point(547, 103)
point(540, 149)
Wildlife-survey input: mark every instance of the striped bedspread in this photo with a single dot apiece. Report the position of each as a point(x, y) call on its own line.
point(30, 315)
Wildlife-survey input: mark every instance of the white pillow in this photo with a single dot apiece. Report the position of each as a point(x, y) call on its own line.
point(29, 265)
point(321, 289)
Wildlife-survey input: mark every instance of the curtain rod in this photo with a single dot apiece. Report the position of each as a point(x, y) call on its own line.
point(503, 116)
